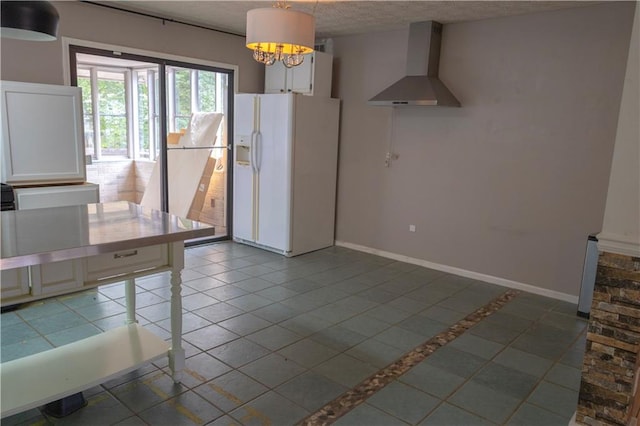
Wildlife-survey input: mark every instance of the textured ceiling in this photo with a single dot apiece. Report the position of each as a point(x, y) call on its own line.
point(337, 18)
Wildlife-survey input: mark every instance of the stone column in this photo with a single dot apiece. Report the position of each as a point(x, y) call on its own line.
point(613, 341)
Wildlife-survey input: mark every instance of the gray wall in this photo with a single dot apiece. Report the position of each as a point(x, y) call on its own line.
point(512, 183)
point(41, 62)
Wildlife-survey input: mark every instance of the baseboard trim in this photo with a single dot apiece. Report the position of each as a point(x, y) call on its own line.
point(463, 272)
point(619, 244)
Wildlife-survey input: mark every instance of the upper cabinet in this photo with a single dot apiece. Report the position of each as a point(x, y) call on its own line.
point(312, 77)
point(42, 134)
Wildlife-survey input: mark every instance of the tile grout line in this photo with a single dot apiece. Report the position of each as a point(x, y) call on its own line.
point(346, 402)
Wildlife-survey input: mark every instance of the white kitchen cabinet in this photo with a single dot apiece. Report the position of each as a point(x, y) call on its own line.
point(15, 283)
point(110, 265)
point(42, 134)
point(56, 277)
point(312, 77)
point(56, 196)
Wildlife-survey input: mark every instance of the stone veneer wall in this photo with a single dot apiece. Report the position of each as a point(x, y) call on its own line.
point(613, 341)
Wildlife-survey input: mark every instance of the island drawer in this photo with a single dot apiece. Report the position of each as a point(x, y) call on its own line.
point(126, 262)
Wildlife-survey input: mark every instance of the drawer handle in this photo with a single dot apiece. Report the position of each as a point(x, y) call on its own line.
point(120, 256)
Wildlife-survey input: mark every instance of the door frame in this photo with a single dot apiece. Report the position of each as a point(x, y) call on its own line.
point(72, 46)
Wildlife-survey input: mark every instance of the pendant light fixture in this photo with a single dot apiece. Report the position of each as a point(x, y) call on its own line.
point(29, 20)
point(280, 34)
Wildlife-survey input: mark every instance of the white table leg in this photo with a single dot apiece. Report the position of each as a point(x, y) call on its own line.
point(130, 297)
point(176, 353)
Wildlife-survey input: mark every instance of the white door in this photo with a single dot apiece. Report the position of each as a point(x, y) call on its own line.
point(273, 162)
point(243, 174)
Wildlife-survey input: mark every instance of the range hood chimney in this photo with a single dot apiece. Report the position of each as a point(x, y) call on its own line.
point(421, 85)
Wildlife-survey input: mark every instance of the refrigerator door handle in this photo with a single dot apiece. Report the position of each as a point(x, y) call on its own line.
point(252, 149)
point(258, 150)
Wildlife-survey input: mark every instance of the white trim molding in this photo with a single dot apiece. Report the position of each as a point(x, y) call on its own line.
point(67, 41)
point(619, 244)
point(463, 272)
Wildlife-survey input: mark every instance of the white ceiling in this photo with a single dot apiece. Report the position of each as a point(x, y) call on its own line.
point(337, 18)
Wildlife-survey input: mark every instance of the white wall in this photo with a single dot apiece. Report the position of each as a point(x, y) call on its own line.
point(621, 227)
point(42, 62)
point(511, 184)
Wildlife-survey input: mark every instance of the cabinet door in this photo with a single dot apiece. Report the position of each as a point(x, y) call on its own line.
point(42, 136)
point(275, 78)
point(56, 277)
point(15, 282)
point(300, 78)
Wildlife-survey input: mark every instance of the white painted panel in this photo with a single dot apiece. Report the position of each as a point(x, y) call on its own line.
point(274, 169)
point(42, 134)
point(50, 375)
point(57, 196)
point(242, 168)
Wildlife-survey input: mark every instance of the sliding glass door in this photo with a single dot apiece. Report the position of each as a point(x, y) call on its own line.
point(156, 132)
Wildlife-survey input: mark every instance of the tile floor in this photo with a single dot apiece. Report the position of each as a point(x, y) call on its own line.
point(270, 340)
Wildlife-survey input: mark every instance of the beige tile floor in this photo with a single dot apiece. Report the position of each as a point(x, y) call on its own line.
point(271, 340)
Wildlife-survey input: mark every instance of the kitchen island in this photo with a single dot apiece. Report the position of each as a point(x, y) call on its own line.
point(106, 243)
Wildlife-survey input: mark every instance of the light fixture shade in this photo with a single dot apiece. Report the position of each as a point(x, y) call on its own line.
point(29, 20)
point(269, 27)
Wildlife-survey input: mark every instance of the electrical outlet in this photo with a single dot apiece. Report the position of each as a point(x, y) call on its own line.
point(412, 228)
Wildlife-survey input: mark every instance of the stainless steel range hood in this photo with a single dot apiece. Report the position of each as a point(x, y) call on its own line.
point(421, 85)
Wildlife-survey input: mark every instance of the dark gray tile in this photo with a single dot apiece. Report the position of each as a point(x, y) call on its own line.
point(450, 415)
point(101, 409)
point(230, 390)
point(345, 370)
point(460, 363)
point(366, 414)
point(338, 338)
point(269, 408)
point(307, 353)
point(494, 332)
point(403, 402)
point(17, 333)
point(523, 361)
point(40, 309)
point(218, 312)
point(506, 380)
point(565, 375)
point(558, 399)
point(530, 415)
point(239, 352)
point(274, 337)
point(477, 345)
point(400, 338)
point(72, 334)
point(147, 391)
point(433, 380)
point(485, 402)
point(311, 390)
point(364, 325)
point(244, 324)
point(188, 408)
point(205, 367)
point(209, 337)
point(272, 370)
point(225, 292)
point(422, 325)
point(375, 353)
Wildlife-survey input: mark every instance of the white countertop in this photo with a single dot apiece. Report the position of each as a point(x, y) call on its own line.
point(31, 237)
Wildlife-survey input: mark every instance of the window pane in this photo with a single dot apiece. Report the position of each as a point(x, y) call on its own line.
point(183, 93)
point(112, 109)
point(143, 114)
point(113, 134)
point(85, 84)
point(207, 91)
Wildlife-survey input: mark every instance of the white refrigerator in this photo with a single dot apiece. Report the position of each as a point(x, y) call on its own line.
point(285, 171)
